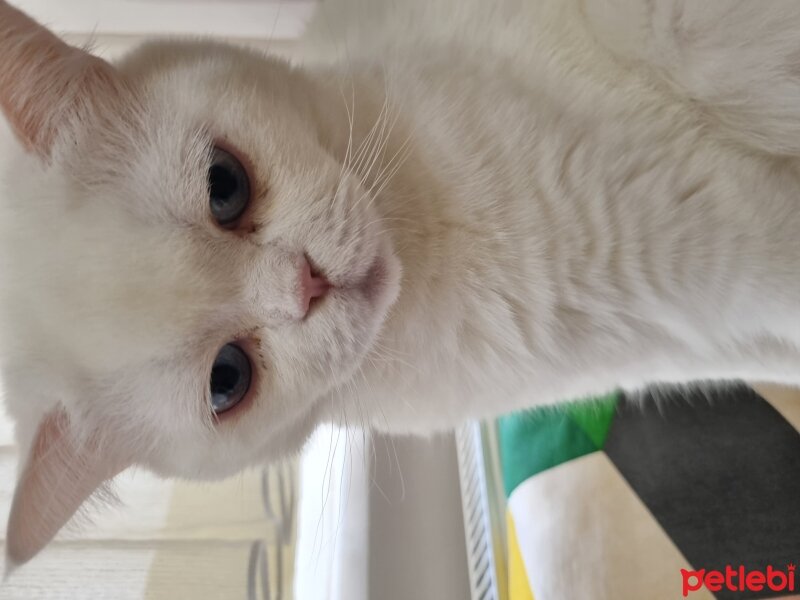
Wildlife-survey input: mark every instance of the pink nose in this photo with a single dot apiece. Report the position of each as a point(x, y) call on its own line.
point(311, 286)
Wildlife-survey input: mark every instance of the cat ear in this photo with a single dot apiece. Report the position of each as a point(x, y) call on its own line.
point(45, 82)
point(60, 474)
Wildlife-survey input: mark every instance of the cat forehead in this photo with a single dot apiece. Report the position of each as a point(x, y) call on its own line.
point(125, 272)
point(150, 296)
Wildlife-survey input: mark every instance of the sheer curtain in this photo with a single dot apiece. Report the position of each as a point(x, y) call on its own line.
point(167, 540)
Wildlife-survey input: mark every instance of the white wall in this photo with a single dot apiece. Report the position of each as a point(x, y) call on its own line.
point(277, 19)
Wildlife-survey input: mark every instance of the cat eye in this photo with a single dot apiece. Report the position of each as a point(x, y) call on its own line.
point(228, 188)
point(230, 378)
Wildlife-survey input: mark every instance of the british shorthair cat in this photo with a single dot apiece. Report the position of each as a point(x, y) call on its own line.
point(447, 210)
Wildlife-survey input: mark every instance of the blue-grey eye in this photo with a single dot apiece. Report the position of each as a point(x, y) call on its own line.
point(228, 187)
point(230, 378)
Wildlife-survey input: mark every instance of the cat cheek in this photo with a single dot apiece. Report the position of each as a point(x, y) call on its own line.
point(60, 474)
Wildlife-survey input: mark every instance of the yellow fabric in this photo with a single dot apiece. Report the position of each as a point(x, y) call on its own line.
point(518, 586)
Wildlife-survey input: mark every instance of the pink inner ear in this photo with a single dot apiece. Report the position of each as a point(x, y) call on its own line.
point(59, 476)
point(43, 80)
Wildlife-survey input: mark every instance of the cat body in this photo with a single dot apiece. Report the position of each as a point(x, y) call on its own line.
point(576, 222)
point(509, 203)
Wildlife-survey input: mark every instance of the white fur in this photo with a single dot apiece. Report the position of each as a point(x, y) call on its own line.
point(588, 222)
point(566, 197)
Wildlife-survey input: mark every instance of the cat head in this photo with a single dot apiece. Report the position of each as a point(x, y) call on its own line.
point(187, 270)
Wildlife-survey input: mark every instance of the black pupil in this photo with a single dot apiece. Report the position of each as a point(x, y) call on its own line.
point(222, 182)
point(224, 379)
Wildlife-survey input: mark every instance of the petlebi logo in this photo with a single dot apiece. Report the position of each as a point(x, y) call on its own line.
point(740, 580)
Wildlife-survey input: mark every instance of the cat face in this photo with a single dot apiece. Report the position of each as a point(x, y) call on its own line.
point(188, 268)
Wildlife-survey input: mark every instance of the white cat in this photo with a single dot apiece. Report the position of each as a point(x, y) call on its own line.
point(454, 209)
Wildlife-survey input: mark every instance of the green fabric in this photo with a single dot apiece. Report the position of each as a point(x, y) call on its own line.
point(540, 439)
point(594, 417)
